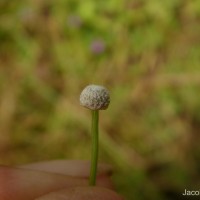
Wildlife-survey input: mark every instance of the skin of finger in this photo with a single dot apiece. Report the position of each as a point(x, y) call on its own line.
point(21, 184)
point(82, 193)
point(77, 168)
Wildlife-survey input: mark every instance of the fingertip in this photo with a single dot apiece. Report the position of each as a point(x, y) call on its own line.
point(76, 168)
point(82, 193)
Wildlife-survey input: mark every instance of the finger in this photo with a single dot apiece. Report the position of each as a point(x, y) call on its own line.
point(24, 184)
point(77, 168)
point(82, 193)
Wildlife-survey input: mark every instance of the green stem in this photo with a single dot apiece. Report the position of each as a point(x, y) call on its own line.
point(95, 146)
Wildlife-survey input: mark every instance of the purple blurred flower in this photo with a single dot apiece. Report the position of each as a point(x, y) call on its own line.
point(97, 46)
point(74, 21)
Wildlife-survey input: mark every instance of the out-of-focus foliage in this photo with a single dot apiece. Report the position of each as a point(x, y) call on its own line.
point(147, 52)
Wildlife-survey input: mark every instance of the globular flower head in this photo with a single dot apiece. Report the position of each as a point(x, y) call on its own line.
point(95, 97)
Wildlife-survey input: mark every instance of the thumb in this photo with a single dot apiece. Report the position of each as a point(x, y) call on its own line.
point(82, 193)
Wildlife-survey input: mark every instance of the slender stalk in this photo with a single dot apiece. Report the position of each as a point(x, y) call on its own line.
point(95, 146)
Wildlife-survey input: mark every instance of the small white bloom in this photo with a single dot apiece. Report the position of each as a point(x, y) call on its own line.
point(95, 97)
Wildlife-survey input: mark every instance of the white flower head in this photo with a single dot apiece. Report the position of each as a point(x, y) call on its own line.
point(95, 97)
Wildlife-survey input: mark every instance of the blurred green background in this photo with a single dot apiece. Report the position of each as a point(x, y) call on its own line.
point(146, 52)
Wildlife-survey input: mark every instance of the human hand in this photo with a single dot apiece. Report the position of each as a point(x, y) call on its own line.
point(55, 180)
